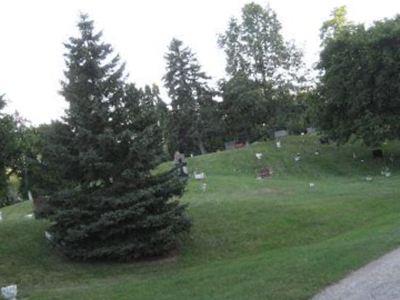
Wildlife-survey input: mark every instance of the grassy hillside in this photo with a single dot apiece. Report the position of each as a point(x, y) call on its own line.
point(252, 239)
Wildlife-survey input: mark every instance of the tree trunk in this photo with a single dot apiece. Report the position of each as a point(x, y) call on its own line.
point(201, 147)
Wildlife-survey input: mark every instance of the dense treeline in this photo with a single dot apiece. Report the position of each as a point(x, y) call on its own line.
point(94, 168)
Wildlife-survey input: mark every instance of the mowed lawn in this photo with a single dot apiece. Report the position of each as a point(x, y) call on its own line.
point(252, 239)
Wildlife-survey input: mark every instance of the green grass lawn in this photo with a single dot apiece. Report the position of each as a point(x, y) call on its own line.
point(251, 239)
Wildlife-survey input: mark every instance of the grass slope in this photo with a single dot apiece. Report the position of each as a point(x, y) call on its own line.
point(252, 239)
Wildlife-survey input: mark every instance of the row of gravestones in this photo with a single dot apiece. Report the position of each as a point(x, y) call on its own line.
point(277, 135)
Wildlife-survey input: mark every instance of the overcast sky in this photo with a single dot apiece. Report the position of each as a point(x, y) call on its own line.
point(32, 35)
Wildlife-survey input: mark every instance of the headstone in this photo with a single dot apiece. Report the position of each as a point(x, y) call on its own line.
point(311, 130)
point(311, 185)
point(29, 216)
point(9, 292)
point(30, 196)
point(265, 173)
point(239, 145)
point(297, 157)
point(278, 144)
point(230, 145)
point(199, 176)
point(368, 178)
point(386, 172)
point(48, 236)
point(280, 134)
point(259, 155)
point(316, 152)
point(1, 216)
point(180, 162)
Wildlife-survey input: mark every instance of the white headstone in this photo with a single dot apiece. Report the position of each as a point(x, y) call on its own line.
point(386, 172)
point(199, 176)
point(278, 144)
point(259, 155)
point(312, 185)
point(29, 216)
point(185, 170)
point(48, 236)
point(9, 292)
point(368, 178)
point(30, 196)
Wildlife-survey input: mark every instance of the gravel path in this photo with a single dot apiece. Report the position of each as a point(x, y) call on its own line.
point(379, 280)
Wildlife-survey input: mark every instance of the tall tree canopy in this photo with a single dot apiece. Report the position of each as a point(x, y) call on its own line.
point(359, 90)
point(117, 209)
point(335, 25)
point(255, 46)
point(10, 153)
point(194, 117)
point(265, 73)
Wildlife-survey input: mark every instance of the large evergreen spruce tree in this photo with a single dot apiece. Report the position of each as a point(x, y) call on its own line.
point(117, 209)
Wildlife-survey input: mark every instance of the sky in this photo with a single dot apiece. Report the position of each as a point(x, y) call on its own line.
point(32, 34)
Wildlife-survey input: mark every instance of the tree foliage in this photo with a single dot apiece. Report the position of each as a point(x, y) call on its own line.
point(335, 25)
point(255, 46)
point(116, 208)
point(265, 74)
point(193, 120)
point(359, 91)
point(9, 148)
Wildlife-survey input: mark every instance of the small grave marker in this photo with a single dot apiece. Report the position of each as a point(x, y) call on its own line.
point(386, 172)
point(9, 292)
point(280, 134)
point(264, 173)
point(48, 236)
point(30, 196)
point(199, 176)
point(311, 130)
point(259, 155)
point(180, 162)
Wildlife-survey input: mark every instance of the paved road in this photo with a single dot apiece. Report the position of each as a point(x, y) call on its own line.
point(379, 280)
